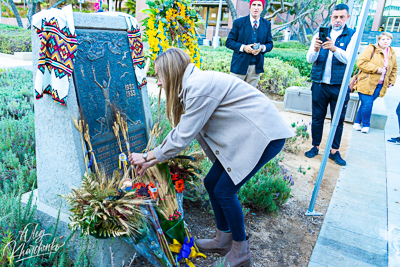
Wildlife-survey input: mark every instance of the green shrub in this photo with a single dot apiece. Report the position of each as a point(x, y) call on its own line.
point(296, 58)
point(269, 188)
point(17, 130)
point(14, 39)
point(218, 59)
point(290, 45)
point(278, 76)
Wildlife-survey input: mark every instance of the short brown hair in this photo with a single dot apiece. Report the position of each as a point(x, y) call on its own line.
point(387, 34)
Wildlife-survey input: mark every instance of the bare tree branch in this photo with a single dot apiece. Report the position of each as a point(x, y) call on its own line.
point(282, 26)
point(276, 11)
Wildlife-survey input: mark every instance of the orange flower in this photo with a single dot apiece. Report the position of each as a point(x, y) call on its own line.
point(179, 186)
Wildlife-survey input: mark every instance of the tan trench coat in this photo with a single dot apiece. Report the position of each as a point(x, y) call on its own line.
point(368, 78)
point(232, 121)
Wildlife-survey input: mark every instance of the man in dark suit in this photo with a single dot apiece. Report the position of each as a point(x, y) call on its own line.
point(249, 39)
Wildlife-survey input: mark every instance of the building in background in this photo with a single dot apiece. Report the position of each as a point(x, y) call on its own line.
point(384, 15)
point(208, 10)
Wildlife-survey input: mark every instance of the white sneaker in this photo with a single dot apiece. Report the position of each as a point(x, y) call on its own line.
point(365, 130)
point(357, 126)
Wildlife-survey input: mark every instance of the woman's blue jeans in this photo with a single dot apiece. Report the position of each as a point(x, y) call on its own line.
point(365, 110)
point(398, 114)
point(222, 191)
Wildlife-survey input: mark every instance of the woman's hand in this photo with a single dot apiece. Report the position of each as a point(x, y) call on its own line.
point(390, 85)
point(136, 158)
point(380, 70)
point(141, 168)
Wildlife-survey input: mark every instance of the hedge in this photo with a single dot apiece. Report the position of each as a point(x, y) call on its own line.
point(14, 39)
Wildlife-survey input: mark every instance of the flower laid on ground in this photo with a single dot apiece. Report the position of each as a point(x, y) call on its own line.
point(100, 208)
point(172, 24)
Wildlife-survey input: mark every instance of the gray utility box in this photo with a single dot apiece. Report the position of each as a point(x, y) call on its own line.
point(298, 100)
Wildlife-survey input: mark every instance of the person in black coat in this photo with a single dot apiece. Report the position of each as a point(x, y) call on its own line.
point(250, 38)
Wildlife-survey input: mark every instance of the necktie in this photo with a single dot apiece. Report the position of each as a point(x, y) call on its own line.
point(255, 24)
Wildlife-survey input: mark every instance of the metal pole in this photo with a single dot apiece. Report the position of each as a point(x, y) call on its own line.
point(350, 4)
point(216, 39)
point(339, 107)
point(80, 7)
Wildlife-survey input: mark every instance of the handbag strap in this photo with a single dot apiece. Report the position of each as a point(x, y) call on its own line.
point(373, 52)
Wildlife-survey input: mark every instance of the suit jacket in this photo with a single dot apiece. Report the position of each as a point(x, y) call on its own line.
point(241, 33)
point(232, 121)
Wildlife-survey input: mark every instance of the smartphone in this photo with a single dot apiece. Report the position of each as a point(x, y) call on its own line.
point(256, 46)
point(323, 33)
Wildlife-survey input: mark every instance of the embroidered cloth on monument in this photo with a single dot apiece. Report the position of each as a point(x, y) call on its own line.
point(135, 44)
point(58, 47)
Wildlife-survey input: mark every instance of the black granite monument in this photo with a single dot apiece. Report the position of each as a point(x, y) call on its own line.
point(105, 80)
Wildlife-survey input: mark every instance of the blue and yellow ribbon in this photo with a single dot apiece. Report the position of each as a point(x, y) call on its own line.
point(123, 160)
point(91, 158)
point(185, 251)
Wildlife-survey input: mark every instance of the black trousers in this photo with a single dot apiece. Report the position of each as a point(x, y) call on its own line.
point(322, 95)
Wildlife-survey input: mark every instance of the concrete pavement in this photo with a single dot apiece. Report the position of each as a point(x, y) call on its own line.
point(362, 223)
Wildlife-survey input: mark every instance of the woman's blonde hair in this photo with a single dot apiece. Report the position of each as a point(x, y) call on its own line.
point(171, 66)
point(387, 34)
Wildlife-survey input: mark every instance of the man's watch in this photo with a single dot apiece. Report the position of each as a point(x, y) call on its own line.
point(145, 156)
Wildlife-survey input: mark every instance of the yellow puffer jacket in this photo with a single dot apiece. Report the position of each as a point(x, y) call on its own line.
point(368, 79)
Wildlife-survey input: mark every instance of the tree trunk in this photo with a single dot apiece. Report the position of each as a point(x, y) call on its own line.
point(16, 13)
point(31, 12)
point(120, 5)
point(303, 29)
point(231, 9)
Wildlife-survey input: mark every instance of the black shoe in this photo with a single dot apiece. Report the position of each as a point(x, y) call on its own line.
point(395, 140)
point(337, 158)
point(312, 152)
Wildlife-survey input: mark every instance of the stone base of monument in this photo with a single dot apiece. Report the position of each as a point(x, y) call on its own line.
point(47, 216)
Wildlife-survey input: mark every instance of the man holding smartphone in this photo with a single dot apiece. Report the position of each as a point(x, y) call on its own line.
point(329, 60)
point(249, 39)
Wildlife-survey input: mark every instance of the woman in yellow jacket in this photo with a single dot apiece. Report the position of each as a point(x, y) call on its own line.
point(378, 72)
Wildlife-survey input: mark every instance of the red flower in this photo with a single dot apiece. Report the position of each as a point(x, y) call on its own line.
point(174, 177)
point(138, 185)
point(179, 186)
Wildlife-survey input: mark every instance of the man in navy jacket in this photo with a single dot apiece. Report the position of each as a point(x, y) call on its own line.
point(329, 64)
point(249, 39)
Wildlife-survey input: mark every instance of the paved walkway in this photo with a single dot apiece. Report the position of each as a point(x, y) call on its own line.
point(12, 62)
point(362, 224)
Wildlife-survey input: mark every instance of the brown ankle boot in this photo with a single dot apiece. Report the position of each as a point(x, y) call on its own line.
point(238, 256)
point(222, 243)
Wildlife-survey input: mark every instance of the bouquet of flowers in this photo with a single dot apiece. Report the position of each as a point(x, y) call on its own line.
point(142, 211)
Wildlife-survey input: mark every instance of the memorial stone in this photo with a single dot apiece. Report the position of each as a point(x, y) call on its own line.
point(104, 79)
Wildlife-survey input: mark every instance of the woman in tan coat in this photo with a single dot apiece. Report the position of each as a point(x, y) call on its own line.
point(378, 67)
point(239, 129)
